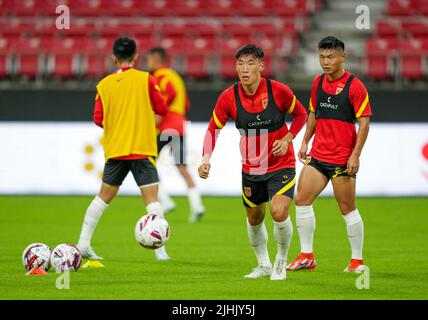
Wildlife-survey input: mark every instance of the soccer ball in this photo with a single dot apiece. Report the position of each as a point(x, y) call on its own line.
point(36, 255)
point(152, 231)
point(66, 256)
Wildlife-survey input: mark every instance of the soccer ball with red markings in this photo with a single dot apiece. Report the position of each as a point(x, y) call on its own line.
point(65, 257)
point(36, 255)
point(152, 231)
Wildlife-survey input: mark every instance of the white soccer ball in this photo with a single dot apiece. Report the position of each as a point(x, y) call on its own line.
point(66, 256)
point(152, 231)
point(36, 255)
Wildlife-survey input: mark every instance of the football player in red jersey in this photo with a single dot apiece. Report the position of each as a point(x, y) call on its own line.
point(171, 128)
point(338, 100)
point(258, 106)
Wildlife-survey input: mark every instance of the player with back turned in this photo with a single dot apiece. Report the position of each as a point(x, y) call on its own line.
point(125, 107)
point(258, 106)
point(338, 100)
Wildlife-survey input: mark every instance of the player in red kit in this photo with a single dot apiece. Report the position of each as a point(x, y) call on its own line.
point(258, 106)
point(338, 100)
point(171, 128)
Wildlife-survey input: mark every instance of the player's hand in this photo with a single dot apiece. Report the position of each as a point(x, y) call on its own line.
point(280, 147)
point(204, 170)
point(303, 153)
point(353, 164)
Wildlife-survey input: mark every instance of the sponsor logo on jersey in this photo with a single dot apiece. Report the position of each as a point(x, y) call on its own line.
point(259, 122)
point(328, 104)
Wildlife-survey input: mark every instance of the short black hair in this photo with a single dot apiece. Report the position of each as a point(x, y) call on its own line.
point(250, 50)
point(161, 52)
point(331, 42)
point(124, 48)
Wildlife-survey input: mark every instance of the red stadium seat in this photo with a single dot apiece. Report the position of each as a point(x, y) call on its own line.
point(116, 27)
point(26, 8)
point(388, 27)
point(63, 65)
point(5, 51)
point(411, 59)
point(155, 8)
point(5, 7)
point(416, 27)
point(289, 8)
point(253, 8)
point(96, 57)
point(17, 27)
point(172, 44)
point(269, 67)
point(183, 27)
point(200, 45)
point(227, 67)
point(196, 66)
point(176, 29)
point(222, 8)
point(3, 65)
point(265, 28)
point(97, 65)
point(402, 7)
point(378, 56)
point(269, 43)
point(145, 43)
point(189, 8)
point(88, 8)
point(423, 9)
point(81, 28)
point(120, 8)
point(62, 56)
point(424, 43)
point(229, 45)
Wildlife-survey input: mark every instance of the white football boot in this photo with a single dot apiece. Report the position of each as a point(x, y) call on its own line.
point(88, 253)
point(196, 216)
point(259, 271)
point(279, 271)
point(161, 254)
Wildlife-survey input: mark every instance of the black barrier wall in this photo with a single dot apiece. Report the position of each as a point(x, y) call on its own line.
point(69, 105)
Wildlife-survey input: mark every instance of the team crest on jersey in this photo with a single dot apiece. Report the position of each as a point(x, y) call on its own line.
point(264, 97)
point(339, 89)
point(247, 191)
point(265, 103)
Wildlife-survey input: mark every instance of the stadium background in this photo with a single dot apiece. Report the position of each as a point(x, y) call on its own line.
point(48, 77)
point(49, 146)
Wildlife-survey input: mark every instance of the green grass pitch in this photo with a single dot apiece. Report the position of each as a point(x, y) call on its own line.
point(211, 258)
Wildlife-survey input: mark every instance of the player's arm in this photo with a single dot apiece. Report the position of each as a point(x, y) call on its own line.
point(98, 111)
point(156, 99)
point(310, 124)
point(309, 133)
point(360, 100)
point(169, 93)
point(293, 106)
point(218, 120)
point(363, 131)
